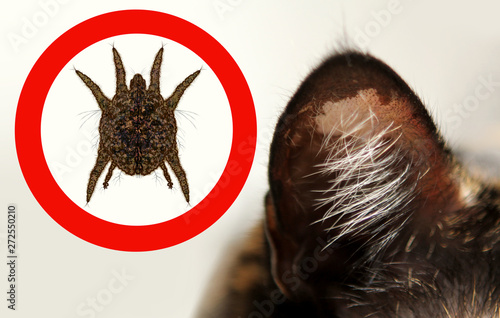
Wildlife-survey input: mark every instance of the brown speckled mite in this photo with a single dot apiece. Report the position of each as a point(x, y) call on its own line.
point(138, 129)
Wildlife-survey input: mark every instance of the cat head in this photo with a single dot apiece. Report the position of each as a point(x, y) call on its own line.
point(369, 211)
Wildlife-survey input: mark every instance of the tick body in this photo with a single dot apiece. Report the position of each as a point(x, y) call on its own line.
point(138, 130)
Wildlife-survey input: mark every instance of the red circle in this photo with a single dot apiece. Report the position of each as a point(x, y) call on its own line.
point(83, 224)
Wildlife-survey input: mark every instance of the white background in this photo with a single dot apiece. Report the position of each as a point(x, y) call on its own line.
point(445, 50)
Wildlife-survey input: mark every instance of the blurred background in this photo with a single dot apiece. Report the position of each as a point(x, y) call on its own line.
point(447, 51)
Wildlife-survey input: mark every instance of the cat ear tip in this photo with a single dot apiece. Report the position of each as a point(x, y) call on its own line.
point(351, 55)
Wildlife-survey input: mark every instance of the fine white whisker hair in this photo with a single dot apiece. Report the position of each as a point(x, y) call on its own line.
point(368, 192)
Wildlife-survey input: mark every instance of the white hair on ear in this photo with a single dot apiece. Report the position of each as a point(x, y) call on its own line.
point(368, 193)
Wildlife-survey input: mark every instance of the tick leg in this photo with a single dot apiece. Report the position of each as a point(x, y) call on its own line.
point(108, 175)
point(155, 72)
point(174, 162)
point(167, 176)
point(173, 100)
point(100, 164)
point(121, 85)
point(102, 100)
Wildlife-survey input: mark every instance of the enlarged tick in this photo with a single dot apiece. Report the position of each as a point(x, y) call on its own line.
point(137, 129)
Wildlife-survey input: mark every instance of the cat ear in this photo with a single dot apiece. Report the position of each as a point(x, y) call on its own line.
point(355, 161)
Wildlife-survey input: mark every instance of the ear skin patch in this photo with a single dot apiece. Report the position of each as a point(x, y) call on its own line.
point(343, 116)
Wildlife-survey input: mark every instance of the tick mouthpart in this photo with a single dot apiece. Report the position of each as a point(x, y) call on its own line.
point(137, 82)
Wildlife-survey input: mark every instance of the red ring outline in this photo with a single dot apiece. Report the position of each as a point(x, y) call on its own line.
point(34, 166)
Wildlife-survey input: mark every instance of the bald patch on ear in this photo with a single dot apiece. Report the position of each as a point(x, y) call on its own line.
point(367, 113)
point(351, 115)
